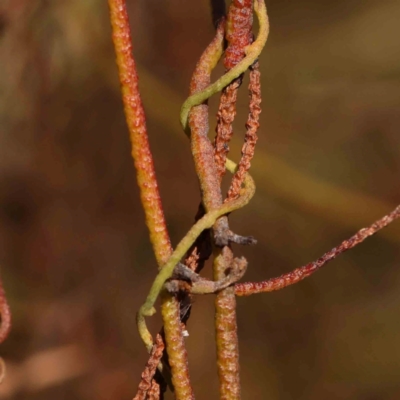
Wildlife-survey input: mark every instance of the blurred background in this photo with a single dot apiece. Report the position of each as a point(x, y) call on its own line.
point(75, 256)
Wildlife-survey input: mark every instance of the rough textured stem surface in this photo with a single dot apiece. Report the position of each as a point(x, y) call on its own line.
point(252, 125)
point(177, 354)
point(224, 129)
point(239, 36)
point(226, 331)
point(147, 380)
point(146, 178)
point(238, 31)
point(252, 53)
point(135, 118)
point(206, 222)
point(248, 288)
point(202, 148)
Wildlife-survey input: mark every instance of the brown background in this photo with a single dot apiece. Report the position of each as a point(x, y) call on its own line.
point(75, 255)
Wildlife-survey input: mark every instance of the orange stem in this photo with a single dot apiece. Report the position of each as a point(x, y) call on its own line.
point(149, 193)
point(135, 118)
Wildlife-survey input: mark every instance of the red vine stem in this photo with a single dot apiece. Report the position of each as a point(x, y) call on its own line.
point(154, 392)
point(238, 31)
point(251, 137)
point(203, 155)
point(226, 338)
point(238, 35)
point(249, 288)
point(225, 116)
point(146, 178)
point(147, 381)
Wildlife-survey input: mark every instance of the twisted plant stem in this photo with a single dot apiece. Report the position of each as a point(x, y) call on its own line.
point(206, 222)
point(147, 380)
point(239, 36)
point(226, 328)
point(154, 392)
point(224, 129)
point(167, 259)
point(149, 193)
point(201, 146)
point(198, 285)
point(252, 53)
point(146, 175)
point(249, 288)
point(252, 125)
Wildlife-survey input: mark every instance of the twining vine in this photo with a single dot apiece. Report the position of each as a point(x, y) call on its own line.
point(178, 276)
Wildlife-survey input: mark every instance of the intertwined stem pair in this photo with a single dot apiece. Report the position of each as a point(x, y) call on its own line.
point(194, 117)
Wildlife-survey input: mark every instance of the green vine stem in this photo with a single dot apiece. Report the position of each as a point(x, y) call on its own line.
point(149, 192)
point(206, 222)
point(239, 36)
point(195, 110)
point(143, 160)
point(252, 53)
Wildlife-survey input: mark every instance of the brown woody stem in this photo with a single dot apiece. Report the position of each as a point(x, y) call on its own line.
point(198, 285)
